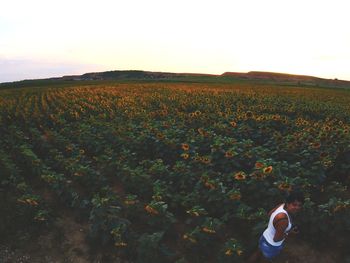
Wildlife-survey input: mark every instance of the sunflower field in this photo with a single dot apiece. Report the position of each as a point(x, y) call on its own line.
point(176, 172)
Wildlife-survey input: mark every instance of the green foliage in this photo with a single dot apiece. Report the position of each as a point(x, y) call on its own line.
point(150, 249)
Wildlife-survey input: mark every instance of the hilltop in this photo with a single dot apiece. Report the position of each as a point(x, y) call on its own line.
point(288, 78)
point(259, 77)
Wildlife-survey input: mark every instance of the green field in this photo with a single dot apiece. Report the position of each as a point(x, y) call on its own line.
point(172, 171)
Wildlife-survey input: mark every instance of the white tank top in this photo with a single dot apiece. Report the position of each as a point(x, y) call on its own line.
point(270, 231)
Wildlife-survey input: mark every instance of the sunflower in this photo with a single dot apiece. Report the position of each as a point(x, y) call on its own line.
point(209, 185)
point(235, 196)
point(151, 210)
point(338, 208)
point(201, 131)
point(197, 113)
point(229, 154)
point(276, 117)
point(268, 169)
point(39, 218)
point(233, 124)
point(78, 174)
point(285, 187)
point(205, 160)
point(190, 238)
point(157, 197)
point(197, 158)
point(185, 146)
point(130, 202)
point(185, 156)
point(327, 128)
point(240, 176)
point(160, 136)
point(193, 213)
point(259, 165)
point(208, 230)
point(31, 202)
point(316, 145)
point(327, 163)
point(249, 114)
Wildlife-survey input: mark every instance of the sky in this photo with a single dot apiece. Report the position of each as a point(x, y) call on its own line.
point(49, 38)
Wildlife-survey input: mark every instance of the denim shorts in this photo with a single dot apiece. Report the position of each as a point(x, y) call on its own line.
point(269, 251)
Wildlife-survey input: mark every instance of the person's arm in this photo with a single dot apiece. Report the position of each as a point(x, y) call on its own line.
point(280, 223)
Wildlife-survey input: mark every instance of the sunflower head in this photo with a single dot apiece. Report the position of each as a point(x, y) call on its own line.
point(268, 169)
point(249, 114)
point(185, 156)
point(185, 146)
point(285, 187)
point(240, 176)
point(233, 124)
point(229, 154)
point(259, 165)
point(316, 145)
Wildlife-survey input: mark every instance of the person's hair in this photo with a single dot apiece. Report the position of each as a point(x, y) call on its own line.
point(295, 195)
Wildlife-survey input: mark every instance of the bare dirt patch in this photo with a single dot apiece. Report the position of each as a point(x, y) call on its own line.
point(296, 251)
point(65, 241)
point(74, 243)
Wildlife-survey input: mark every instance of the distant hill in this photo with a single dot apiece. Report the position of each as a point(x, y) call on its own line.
point(288, 78)
point(131, 74)
point(269, 75)
point(227, 77)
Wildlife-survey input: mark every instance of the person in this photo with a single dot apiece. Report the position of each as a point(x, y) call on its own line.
point(279, 227)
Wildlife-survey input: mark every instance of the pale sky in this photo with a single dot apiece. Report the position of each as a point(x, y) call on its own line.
point(49, 38)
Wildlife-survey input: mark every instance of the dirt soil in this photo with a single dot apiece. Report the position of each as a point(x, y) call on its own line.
point(296, 251)
point(66, 242)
